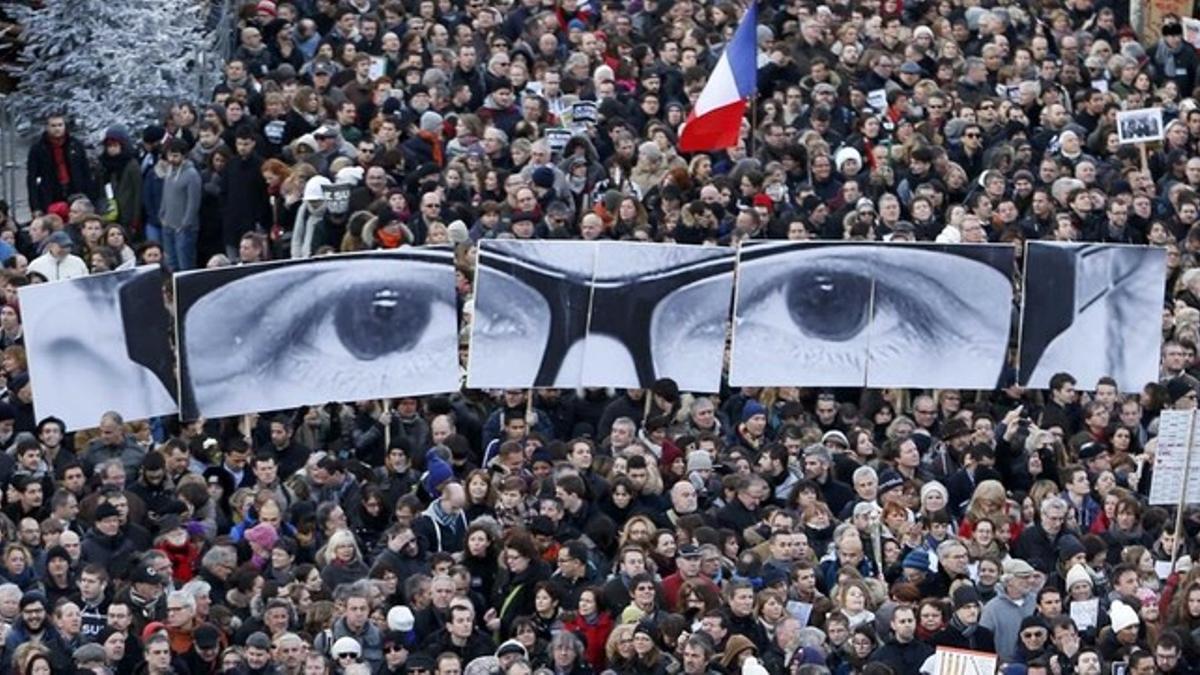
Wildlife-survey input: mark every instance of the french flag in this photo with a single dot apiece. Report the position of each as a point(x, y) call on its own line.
point(715, 122)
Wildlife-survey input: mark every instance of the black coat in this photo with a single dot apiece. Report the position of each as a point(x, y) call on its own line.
point(244, 205)
point(904, 659)
point(980, 640)
point(41, 177)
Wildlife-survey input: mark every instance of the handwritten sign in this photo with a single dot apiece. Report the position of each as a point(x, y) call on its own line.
point(1171, 458)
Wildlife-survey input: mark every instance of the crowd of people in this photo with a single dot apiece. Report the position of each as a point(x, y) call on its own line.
point(635, 532)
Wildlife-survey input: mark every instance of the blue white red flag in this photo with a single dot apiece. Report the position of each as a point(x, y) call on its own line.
point(715, 122)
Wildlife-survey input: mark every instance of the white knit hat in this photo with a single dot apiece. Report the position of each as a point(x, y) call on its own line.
point(1078, 574)
point(1122, 616)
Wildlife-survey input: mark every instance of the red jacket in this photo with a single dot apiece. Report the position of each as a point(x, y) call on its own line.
point(594, 636)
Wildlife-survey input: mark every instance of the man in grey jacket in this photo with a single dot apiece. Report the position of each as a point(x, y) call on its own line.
point(180, 210)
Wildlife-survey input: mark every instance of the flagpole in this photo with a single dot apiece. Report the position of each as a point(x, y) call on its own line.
point(753, 123)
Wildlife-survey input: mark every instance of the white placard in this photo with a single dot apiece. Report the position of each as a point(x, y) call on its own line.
point(1171, 458)
point(1085, 613)
point(950, 661)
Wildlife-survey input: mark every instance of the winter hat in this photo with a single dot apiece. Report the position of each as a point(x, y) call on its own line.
point(116, 134)
point(511, 647)
point(837, 437)
point(262, 534)
point(106, 510)
point(965, 595)
point(736, 645)
point(347, 645)
point(751, 666)
point(751, 409)
point(431, 121)
point(265, 7)
point(438, 472)
point(1120, 615)
point(1078, 575)
point(314, 189)
point(400, 618)
point(847, 154)
point(935, 486)
point(350, 175)
point(459, 234)
point(890, 480)
point(1034, 621)
point(1146, 596)
point(1069, 546)
point(917, 559)
point(89, 653)
point(1177, 388)
point(543, 177)
point(699, 460)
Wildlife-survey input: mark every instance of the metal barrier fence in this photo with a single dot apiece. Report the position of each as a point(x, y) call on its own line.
point(14, 149)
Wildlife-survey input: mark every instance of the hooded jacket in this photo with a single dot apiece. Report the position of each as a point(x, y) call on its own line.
point(123, 172)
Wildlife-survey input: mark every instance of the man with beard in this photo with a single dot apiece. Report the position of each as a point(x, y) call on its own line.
point(34, 626)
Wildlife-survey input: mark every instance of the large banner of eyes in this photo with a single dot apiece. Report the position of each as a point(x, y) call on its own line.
point(589, 314)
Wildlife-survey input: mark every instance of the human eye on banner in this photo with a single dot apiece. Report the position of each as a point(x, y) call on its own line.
point(337, 328)
point(589, 314)
point(603, 314)
point(880, 315)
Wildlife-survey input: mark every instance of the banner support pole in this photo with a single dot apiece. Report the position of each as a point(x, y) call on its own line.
point(1187, 470)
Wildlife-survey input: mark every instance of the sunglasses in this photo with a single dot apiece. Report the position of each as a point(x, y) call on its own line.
point(348, 656)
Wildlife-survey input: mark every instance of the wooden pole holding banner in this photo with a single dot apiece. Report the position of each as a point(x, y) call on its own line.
point(646, 405)
point(1187, 469)
point(387, 428)
point(877, 544)
point(247, 428)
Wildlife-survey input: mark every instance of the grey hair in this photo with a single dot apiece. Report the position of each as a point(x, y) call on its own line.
point(1054, 503)
point(568, 639)
point(185, 597)
point(864, 472)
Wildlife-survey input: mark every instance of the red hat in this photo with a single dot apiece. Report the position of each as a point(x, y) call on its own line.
point(152, 628)
point(762, 199)
point(266, 7)
point(60, 209)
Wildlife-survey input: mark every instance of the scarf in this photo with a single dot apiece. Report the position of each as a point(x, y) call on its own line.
point(961, 626)
point(389, 239)
point(58, 150)
point(435, 146)
point(1164, 55)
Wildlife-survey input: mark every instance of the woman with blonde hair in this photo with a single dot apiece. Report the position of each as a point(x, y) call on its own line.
point(638, 530)
point(342, 560)
point(619, 648)
point(990, 502)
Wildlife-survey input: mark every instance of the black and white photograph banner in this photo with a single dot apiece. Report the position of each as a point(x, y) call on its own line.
point(885, 315)
point(599, 314)
point(301, 332)
point(99, 343)
point(1091, 310)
